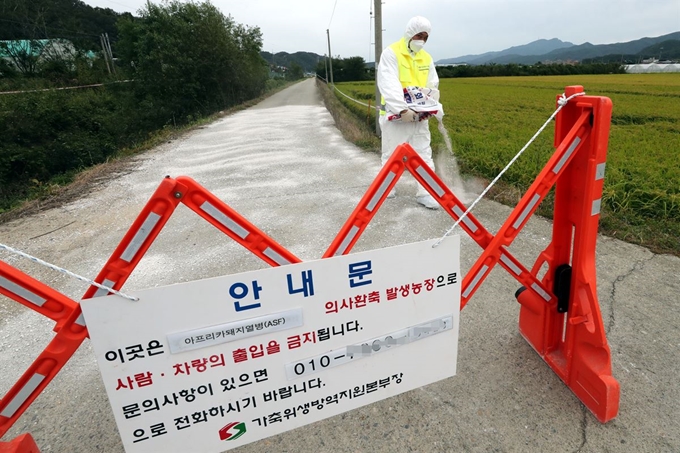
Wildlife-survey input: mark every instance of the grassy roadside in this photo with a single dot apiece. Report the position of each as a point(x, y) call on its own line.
point(659, 234)
point(360, 132)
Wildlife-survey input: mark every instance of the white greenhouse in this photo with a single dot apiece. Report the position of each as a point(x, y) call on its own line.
point(652, 68)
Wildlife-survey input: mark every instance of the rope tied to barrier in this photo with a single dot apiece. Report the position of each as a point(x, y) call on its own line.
point(561, 102)
point(375, 107)
point(67, 272)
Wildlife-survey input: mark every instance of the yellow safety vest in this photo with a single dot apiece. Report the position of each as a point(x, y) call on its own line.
point(413, 71)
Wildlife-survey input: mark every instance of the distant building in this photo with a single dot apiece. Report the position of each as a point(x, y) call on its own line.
point(25, 54)
point(652, 68)
point(563, 62)
point(277, 72)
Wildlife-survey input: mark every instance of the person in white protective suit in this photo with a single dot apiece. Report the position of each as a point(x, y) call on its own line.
point(405, 65)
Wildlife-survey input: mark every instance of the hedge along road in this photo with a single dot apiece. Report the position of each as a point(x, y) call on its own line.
point(284, 166)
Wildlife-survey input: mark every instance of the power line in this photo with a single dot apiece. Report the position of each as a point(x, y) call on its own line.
point(332, 14)
point(370, 28)
point(51, 28)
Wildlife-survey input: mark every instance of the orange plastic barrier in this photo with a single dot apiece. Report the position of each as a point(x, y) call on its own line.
point(559, 314)
point(569, 333)
point(70, 330)
point(22, 444)
point(70, 327)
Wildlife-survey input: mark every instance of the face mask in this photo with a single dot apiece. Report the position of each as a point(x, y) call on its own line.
point(416, 45)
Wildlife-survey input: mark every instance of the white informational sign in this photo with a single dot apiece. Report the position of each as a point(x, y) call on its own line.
point(214, 364)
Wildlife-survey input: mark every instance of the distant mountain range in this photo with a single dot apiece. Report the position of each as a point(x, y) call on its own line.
point(540, 47)
point(543, 50)
point(552, 50)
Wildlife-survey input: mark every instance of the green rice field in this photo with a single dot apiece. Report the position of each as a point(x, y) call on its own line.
point(490, 119)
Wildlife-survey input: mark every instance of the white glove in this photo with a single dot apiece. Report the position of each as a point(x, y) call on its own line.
point(409, 116)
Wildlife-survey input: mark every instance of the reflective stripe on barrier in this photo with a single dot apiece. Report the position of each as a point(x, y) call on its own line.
point(69, 335)
point(230, 222)
point(30, 292)
point(22, 395)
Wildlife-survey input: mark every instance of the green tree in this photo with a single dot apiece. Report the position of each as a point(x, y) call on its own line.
point(295, 72)
point(188, 59)
point(354, 69)
point(250, 71)
point(24, 55)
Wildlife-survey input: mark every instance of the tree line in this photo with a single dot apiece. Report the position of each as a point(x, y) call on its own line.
point(539, 69)
point(174, 63)
point(355, 69)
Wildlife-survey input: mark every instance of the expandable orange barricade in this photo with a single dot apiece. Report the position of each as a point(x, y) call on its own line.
point(70, 327)
point(569, 334)
point(559, 314)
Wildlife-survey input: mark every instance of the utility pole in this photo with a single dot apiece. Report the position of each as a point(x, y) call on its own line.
point(105, 52)
point(325, 63)
point(108, 47)
point(378, 52)
point(108, 56)
point(330, 55)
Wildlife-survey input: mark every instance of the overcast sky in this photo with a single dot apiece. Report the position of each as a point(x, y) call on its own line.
point(459, 27)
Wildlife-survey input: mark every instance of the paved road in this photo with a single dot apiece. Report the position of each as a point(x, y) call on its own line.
point(285, 167)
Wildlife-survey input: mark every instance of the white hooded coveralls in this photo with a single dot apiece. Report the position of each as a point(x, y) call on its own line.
point(394, 133)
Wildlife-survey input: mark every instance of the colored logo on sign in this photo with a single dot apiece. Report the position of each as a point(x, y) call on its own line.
point(233, 431)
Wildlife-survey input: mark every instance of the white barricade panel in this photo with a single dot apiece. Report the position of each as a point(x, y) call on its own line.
point(214, 364)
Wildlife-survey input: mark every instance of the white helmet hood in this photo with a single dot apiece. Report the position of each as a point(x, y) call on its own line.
point(417, 25)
